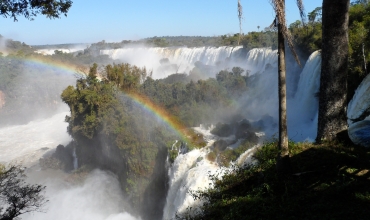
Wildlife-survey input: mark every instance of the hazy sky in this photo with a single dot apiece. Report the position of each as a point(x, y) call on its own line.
point(90, 21)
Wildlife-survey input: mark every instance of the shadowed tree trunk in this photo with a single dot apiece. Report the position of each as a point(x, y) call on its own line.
point(283, 162)
point(333, 80)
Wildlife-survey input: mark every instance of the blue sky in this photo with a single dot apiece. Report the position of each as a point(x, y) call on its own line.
point(90, 21)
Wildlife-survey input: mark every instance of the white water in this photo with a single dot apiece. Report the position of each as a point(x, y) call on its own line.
point(190, 170)
point(98, 197)
point(27, 143)
point(303, 108)
point(72, 49)
point(216, 58)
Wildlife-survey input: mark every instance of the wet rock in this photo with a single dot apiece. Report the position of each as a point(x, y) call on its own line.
point(61, 159)
point(51, 163)
point(264, 123)
point(220, 145)
point(222, 130)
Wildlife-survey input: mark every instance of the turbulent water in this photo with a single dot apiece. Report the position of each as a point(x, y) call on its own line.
point(99, 195)
point(27, 143)
point(191, 171)
point(303, 108)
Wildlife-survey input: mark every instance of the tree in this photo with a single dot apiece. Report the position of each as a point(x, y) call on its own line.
point(16, 196)
point(333, 80)
point(30, 8)
point(283, 161)
point(240, 16)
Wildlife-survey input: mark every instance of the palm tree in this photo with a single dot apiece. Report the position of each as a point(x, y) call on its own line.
point(283, 161)
point(240, 16)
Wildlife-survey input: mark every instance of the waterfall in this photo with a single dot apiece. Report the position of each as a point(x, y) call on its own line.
point(190, 170)
point(303, 108)
point(224, 57)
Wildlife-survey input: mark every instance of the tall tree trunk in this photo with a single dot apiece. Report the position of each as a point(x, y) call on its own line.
point(333, 80)
point(283, 162)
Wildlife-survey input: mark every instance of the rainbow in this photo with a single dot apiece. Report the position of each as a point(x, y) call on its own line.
point(174, 123)
point(46, 62)
point(41, 61)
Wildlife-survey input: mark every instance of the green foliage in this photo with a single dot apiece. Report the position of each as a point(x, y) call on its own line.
point(266, 38)
point(16, 195)
point(158, 42)
point(227, 156)
point(331, 180)
point(30, 8)
point(308, 39)
point(125, 77)
point(359, 47)
point(100, 109)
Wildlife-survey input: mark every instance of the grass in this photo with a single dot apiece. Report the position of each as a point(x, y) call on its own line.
point(328, 181)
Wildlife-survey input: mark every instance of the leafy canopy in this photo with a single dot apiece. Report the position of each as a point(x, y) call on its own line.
point(30, 8)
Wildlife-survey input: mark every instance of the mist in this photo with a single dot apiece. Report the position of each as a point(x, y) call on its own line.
point(96, 196)
point(33, 91)
point(259, 102)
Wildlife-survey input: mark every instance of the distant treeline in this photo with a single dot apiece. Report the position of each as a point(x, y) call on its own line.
point(307, 38)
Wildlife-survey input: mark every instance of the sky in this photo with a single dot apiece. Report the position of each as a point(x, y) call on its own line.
point(90, 21)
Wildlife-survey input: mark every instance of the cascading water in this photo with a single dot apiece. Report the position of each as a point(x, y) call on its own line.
point(303, 108)
point(185, 58)
point(190, 170)
point(27, 143)
point(97, 197)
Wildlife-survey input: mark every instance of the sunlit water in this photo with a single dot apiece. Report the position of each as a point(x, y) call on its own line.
point(98, 197)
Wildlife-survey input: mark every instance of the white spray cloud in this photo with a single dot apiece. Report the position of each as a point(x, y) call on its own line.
point(98, 197)
point(27, 143)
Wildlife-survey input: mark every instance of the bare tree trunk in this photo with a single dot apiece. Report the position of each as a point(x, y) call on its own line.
point(334, 66)
point(363, 55)
point(283, 162)
point(240, 16)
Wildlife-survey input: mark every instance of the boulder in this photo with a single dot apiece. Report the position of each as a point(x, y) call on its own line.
point(222, 130)
point(220, 145)
point(61, 159)
point(245, 130)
